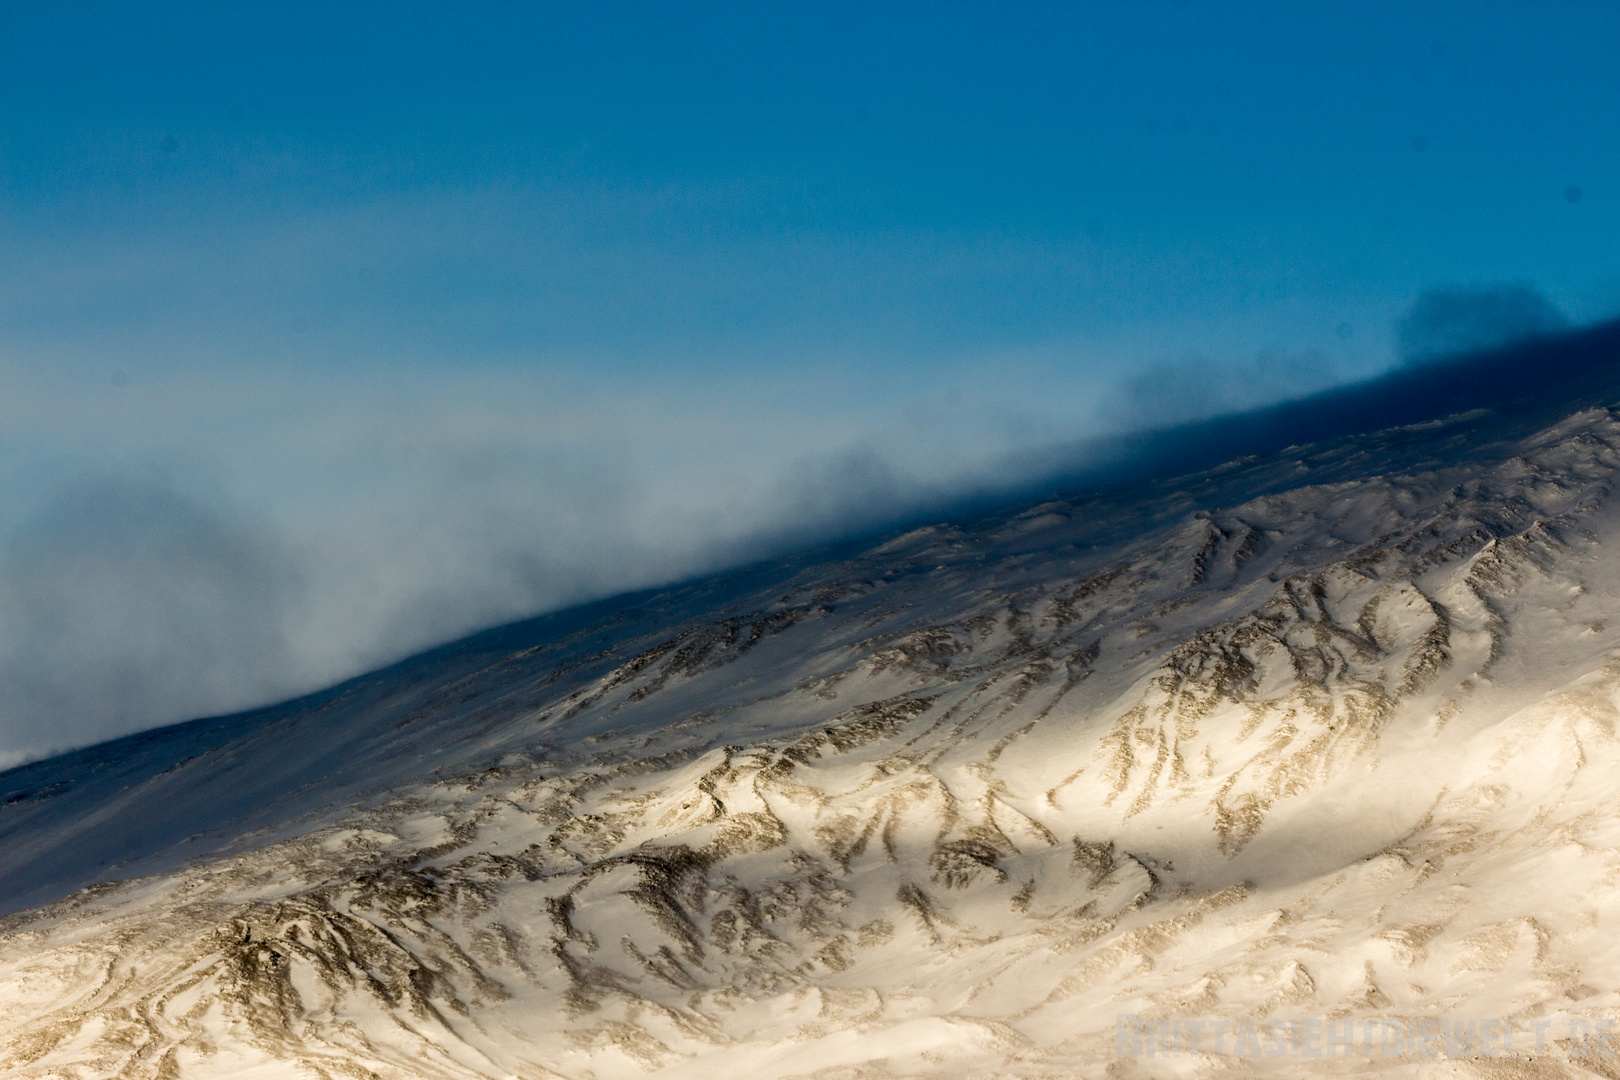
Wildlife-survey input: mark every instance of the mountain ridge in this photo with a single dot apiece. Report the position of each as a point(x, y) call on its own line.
point(1567, 366)
point(1297, 734)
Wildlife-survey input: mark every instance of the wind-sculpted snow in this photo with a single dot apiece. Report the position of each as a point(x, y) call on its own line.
point(1330, 733)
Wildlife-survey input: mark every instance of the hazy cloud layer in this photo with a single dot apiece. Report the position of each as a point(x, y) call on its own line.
point(127, 604)
point(176, 544)
point(190, 540)
point(1173, 391)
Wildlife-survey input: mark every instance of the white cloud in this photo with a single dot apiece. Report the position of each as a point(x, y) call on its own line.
point(195, 540)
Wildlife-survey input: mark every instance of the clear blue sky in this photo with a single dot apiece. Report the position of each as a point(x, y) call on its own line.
point(670, 185)
point(416, 317)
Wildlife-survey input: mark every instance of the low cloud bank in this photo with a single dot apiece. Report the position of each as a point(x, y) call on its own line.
point(177, 548)
point(1193, 387)
point(126, 603)
point(270, 545)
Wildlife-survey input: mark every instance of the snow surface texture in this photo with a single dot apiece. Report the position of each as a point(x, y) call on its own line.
point(1329, 733)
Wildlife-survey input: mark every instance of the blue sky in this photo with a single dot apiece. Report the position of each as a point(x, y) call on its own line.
point(422, 317)
point(662, 186)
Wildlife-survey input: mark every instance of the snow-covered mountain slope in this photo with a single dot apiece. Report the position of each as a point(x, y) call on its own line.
point(1325, 733)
